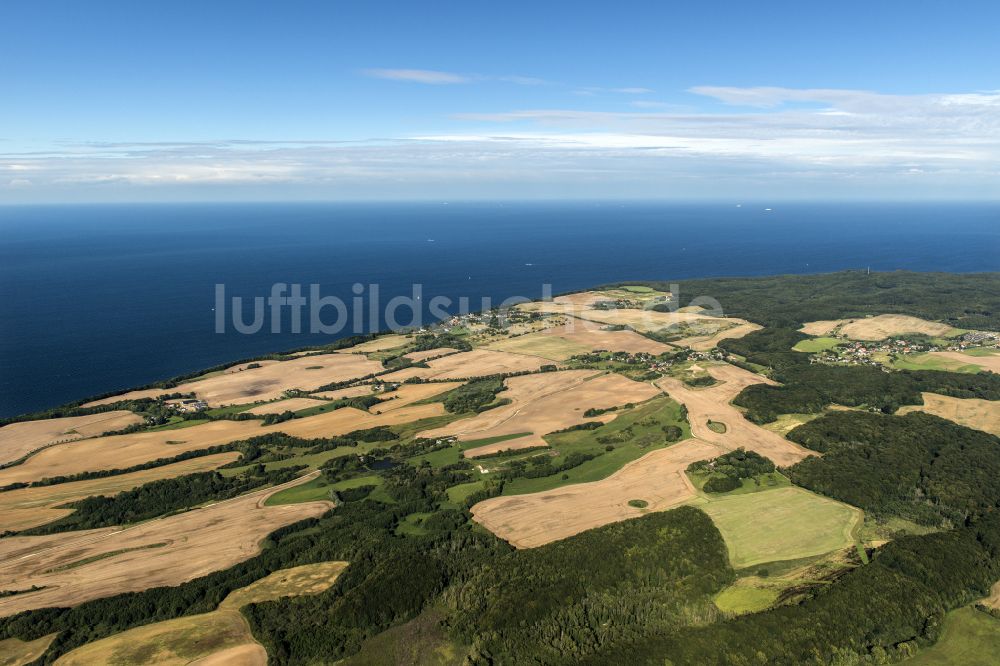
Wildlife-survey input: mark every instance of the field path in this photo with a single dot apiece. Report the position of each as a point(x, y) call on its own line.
point(713, 404)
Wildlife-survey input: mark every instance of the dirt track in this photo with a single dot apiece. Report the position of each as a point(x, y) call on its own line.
point(712, 404)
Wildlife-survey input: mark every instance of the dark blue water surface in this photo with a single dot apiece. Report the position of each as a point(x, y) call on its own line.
point(100, 298)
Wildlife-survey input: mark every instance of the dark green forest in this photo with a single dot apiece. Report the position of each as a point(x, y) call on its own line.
point(918, 466)
point(787, 301)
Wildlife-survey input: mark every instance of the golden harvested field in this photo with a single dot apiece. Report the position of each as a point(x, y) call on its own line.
point(877, 328)
point(560, 342)
point(238, 385)
point(583, 298)
point(122, 451)
point(640, 320)
point(989, 362)
point(286, 405)
point(594, 339)
point(587, 298)
point(131, 395)
point(538, 344)
point(418, 356)
point(407, 394)
point(544, 403)
point(821, 328)
point(219, 637)
point(381, 343)
point(185, 640)
point(712, 404)
point(706, 342)
point(972, 412)
point(31, 507)
point(349, 392)
point(346, 419)
point(475, 363)
point(15, 652)
point(19, 439)
point(79, 566)
point(527, 521)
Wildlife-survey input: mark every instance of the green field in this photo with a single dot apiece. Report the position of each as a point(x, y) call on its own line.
point(982, 351)
point(177, 423)
point(717, 426)
point(410, 524)
point(928, 362)
point(785, 422)
point(813, 345)
point(781, 524)
point(969, 638)
point(739, 598)
point(756, 484)
point(637, 432)
point(457, 494)
point(319, 489)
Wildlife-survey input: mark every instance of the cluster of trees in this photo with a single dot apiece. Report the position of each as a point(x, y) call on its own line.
point(916, 466)
point(809, 387)
point(728, 470)
point(376, 434)
point(429, 341)
point(473, 395)
point(604, 587)
point(159, 498)
point(543, 465)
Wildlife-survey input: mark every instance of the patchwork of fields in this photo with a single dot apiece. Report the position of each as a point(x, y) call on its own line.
point(70, 569)
point(528, 431)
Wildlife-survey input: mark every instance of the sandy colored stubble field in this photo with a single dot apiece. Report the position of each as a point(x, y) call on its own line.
point(712, 404)
point(80, 566)
point(527, 521)
point(19, 439)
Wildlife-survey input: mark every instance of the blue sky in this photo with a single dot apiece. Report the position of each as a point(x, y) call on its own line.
point(158, 101)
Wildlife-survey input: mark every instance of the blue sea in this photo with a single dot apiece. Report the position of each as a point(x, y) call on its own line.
point(98, 298)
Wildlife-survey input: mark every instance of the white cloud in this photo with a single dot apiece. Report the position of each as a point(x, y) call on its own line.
point(427, 76)
point(910, 145)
